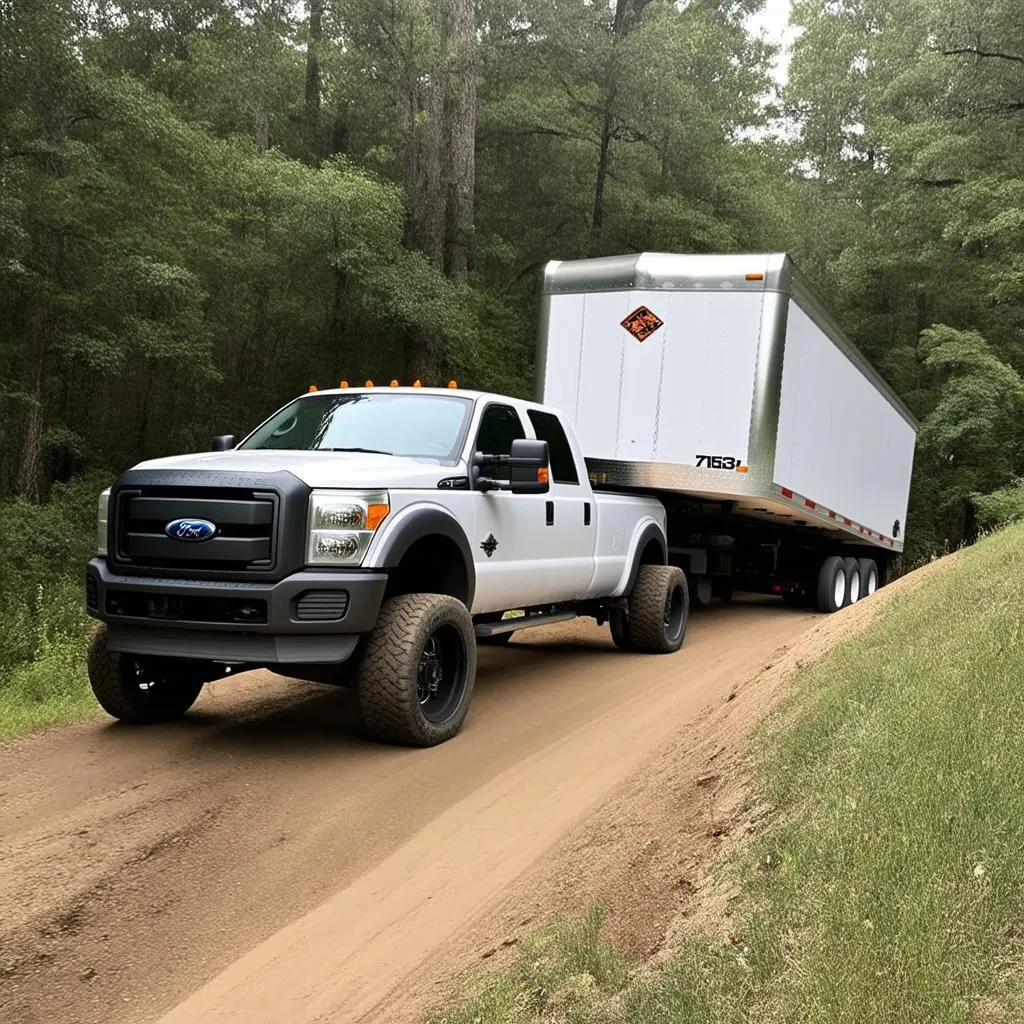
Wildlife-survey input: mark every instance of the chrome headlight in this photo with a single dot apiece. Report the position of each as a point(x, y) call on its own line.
point(101, 523)
point(342, 524)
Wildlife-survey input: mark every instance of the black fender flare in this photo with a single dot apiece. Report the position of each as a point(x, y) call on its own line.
point(428, 522)
point(651, 532)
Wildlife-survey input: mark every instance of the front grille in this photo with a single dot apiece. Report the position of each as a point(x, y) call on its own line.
point(186, 608)
point(321, 605)
point(244, 540)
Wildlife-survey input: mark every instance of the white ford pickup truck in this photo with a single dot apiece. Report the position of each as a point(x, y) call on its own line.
point(368, 537)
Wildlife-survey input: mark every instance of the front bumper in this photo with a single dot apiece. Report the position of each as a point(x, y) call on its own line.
point(308, 617)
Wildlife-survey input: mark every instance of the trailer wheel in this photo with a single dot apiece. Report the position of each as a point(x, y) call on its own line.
point(853, 587)
point(135, 691)
point(832, 584)
point(417, 673)
point(869, 581)
point(659, 605)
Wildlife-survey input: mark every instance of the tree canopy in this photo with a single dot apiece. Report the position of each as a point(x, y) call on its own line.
point(207, 204)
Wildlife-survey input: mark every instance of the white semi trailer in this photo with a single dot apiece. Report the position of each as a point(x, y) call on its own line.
point(721, 385)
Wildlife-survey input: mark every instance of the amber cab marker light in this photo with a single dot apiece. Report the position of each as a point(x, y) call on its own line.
point(453, 383)
point(394, 384)
point(755, 277)
point(312, 387)
point(369, 384)
point(416, 383)
point(343, 384)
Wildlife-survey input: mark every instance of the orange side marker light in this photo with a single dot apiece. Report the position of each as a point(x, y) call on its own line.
point(375, 515)
point(542, 475)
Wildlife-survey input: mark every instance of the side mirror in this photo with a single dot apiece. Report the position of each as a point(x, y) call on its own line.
point(224, 442)
point(528, 467)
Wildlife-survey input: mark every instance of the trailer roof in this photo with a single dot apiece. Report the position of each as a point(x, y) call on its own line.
point(713, 272)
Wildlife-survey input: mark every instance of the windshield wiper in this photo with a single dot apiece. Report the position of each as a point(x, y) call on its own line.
point(365, 451)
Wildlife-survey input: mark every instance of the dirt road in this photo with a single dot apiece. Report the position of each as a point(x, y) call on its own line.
point(259, 862)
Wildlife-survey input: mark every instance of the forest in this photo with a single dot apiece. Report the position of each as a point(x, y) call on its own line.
point(205, 205)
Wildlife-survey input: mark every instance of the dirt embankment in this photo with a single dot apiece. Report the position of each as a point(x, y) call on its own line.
point(259, 862)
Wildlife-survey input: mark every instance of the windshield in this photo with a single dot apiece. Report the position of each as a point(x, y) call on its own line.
point(415, 426)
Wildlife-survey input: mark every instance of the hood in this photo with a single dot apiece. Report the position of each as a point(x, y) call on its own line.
point(319, 469)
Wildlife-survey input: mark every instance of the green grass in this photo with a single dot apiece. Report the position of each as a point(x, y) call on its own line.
point(45, 681)
point(890, 886)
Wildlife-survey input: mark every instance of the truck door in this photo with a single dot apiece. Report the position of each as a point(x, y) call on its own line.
point(570, 511)
point(510, 567)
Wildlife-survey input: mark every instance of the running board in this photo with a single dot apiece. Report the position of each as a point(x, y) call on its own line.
point(485, 629)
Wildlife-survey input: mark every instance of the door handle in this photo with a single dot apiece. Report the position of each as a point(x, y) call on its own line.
point(549, 513)
point(586, 513)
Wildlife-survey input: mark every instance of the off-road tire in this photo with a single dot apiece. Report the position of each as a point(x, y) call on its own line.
point(125, 693)
point(826, 596)
point(659, 606)
point(853, 581)
point(389, 673)
point(618, 623)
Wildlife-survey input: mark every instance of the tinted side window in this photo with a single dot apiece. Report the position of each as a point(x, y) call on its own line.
point(500, 425)
point(548, 428)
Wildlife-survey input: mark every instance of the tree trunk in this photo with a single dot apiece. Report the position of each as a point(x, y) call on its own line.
point(604, 162)
point(626, 12)
point(461, 149)
point(422, 113)
point(41, 331)
point(261, 130)
point(315, 34)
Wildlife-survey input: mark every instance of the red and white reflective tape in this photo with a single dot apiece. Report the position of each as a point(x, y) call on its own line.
point(814, 506)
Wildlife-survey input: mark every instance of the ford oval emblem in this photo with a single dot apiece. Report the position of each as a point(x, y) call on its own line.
point(190, 529)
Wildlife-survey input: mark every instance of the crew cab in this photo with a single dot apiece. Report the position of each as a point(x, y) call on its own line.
point(369, 537)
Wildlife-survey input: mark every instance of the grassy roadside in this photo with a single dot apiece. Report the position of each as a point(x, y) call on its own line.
point(49, 685)
point(890, 884)
point(43, 625)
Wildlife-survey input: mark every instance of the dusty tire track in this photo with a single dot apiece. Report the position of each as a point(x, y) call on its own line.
point(261, 862)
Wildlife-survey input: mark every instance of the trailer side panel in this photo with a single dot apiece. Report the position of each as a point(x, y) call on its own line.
point(840, 441)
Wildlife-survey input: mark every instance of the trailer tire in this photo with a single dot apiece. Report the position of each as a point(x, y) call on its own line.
point(853, 587)
point(832, 584)
point(870, 579)
point(659, 606)
point(417, 673)
point(133, 692)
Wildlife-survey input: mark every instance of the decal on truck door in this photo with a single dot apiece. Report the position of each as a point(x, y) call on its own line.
point(642, 323)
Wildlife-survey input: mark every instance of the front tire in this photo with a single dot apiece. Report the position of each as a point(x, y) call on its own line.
point(659, 605)
point(137, 692)
point(417, 672)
